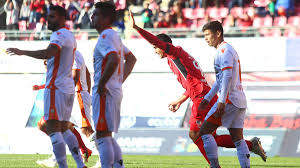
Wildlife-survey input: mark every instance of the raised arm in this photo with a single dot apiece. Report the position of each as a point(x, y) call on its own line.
point(47, 53)
point(167, 47)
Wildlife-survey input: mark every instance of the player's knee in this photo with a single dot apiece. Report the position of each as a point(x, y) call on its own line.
point(101, 134)
point(194, 135)
point(236, 134)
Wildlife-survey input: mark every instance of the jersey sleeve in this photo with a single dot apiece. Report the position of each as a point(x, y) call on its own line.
point(167, 47)
point(58, 39)
point(77, 61)
point(226, 59)
point(106, 44)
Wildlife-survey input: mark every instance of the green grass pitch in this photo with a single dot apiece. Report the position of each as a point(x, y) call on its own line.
point(154, 161)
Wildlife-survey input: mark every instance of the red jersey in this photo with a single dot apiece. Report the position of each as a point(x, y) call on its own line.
point(185, 67)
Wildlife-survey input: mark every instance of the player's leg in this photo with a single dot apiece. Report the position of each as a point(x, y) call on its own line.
point(84, 101)
point(206, 132)
point(53, 126)
point(103, 135)
point(51, 161)
point(233, 119)
point(66, 105)
point(209, 143)
point(195, 136)
point(226, 141)
point(84, 150)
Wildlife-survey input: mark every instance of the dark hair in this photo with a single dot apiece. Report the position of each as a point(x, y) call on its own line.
point(214, 26)
point(107, 9)
point(60, 10)
point(164, 37)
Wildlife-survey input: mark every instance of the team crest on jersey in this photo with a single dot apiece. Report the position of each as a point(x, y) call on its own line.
point(103, 36)
point(223, 50)
point(58, 33)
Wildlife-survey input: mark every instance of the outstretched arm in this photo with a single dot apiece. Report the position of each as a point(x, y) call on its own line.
point(51, 51)
point(167, 47)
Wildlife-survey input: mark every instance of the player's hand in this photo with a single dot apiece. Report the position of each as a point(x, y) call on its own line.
point(204, 103)
point(220, 110)
point(14, 51)
point(174, 106)
point(131, 20)
point(102, 90)
point(35, 87)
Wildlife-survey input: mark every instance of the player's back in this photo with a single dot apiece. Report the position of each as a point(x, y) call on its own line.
point(109, 42)
point(59, 67)
point(227, 58)
point(79, 63)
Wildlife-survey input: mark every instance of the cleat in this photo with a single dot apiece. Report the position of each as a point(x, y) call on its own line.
point(50, 162)
point(86, 154)
point(258, 149)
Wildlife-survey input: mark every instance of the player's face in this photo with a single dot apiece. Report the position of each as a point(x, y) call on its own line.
point(210, 37)
point(53, 20)
point(159, 52)
point(98, 19)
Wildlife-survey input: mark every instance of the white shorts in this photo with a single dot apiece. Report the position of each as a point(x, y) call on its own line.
point(84, 118)
point(106, 112)
point(232, 118)
point(57, 105)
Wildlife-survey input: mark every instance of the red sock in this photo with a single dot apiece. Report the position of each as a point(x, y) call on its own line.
point(80, 142)
point(226, 141)
point(199, 144)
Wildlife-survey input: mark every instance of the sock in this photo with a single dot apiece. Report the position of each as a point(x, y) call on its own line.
point(72, 143)
point(118, 161)
point(80, 141)
point(106, 151)
point(211, 150)
point(199, 144)
point(243, 153)
point(59, 149)
point(226, 141)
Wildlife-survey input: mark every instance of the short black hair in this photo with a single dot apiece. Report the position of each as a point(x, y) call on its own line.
point(214, 26)
point(164, 37)
point(60, 10)
point(108, 9)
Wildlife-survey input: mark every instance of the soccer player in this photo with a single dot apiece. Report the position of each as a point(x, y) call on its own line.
point(82, 80)
point(113, 62)
point(59, 91)
point(229, 111)
point(190, 76)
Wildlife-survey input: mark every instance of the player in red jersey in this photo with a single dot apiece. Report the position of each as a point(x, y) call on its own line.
point(190, 76)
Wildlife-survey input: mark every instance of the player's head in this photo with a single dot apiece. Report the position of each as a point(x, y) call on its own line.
point(104, 15)
point(56, 18)
point(165, 38)
point(213, 33)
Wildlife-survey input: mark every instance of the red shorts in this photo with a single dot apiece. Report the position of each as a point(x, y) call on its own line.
point(197, 116)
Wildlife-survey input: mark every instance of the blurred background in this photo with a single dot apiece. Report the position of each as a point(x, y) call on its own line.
point(265, 33)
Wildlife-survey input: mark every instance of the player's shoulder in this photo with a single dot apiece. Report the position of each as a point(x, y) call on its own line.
point(224, 48)
point(108, 34)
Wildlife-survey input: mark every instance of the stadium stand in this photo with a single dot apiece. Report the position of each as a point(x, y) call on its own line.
point(264, 18)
